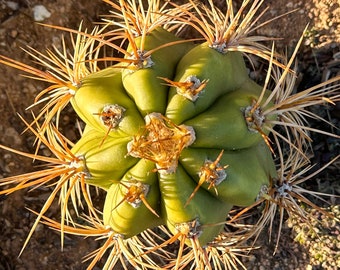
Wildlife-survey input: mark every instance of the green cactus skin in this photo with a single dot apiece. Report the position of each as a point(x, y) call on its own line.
point(144, 84)
point(105, 160)
point(105, 88)
point(209, 211)
point(204, 62)
point(123, 217)
point(223, 125)
point(248, 170)
point(217, 118)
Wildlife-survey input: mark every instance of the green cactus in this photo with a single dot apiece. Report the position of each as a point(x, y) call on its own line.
point(221, 126)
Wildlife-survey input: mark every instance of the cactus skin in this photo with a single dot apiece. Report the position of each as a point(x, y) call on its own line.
point(104, 159)
point(124, 217)
point(204, 208)
point(103, 88)
point(247, 172)
point(144, 83)
point(203, 61)
point(223, 126)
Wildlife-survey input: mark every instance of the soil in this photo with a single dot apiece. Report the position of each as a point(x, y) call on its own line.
point(319, 57)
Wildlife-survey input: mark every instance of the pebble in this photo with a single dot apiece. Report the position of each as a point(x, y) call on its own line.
point(12, 5)
point(14, 33)
point(290, 5)
point(40, 13)
point(12, 136)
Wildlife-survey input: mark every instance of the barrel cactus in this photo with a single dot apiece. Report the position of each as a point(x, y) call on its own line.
point(176, 133)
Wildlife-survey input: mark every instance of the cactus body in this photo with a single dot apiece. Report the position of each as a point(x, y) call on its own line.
point(151, 168)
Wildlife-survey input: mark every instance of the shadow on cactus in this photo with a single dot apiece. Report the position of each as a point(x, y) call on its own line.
point(176, 135)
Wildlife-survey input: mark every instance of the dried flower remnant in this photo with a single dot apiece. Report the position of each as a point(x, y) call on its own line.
point(161, 141)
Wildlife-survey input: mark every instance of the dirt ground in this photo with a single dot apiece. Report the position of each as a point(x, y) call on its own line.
point(319, 56)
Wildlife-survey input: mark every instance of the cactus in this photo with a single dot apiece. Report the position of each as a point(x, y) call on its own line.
point(176, 133)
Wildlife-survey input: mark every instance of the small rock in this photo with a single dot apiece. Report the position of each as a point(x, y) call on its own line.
point(12, 5)
point(12, 137)
point(290, 5)
point(14, 33)
point(40, 13)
